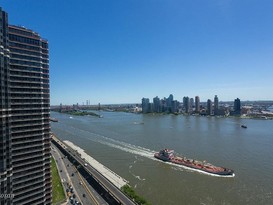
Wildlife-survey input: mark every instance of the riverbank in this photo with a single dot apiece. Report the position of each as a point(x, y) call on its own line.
point(129, 191)
point(117, 180)
point(80, 113)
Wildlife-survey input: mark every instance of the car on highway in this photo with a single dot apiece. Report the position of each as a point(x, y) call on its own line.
point(71, 200)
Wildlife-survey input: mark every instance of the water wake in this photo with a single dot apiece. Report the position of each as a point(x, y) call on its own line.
point(136, 150)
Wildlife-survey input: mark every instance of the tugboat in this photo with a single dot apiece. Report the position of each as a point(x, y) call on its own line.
point(168, 156)
point(244, 126)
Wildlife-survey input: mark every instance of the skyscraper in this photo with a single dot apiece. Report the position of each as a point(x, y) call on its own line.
point(237, 106)
point(169, 103)
point(216, 105)
point(191, 103)
point(156, 102)
point(174, 107)
point(197, 104)
point(209, 107)
point(26, 164)
point(145, 105)
point(186, 104)
point(5, 116)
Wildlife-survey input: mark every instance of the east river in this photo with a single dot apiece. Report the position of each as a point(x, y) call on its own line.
point(126, 142)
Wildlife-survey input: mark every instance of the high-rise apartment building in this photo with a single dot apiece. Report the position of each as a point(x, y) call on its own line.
point(237, 106)
point(191, 104)
point(145, 105)
point(186, 104)
point(209, 107)
point(25, 107)
point(169, 103)
point(5, 113)
point(197, 104)
point(157, 107)
point(216, 105)
point(174, 107)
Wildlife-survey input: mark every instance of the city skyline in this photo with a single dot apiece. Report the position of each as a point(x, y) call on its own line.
point(189, 106)
point(118, 52)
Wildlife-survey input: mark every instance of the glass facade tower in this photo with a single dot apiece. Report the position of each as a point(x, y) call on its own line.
point(26, 104)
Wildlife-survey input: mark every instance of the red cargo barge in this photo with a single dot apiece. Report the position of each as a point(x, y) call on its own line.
point(168, 156)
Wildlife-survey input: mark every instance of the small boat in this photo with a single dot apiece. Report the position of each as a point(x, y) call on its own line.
point(53, 119)
point(243, 126)
point(138, 123)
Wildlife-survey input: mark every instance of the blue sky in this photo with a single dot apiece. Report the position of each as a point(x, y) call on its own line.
point(122, 50)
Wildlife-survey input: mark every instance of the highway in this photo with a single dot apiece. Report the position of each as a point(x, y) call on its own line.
point(85, 194)
point(115, 192)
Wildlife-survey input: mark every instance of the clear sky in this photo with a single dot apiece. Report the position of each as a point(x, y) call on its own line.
point(118, 51)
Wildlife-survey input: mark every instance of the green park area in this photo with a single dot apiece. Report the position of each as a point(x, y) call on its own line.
point(133, 195)
point(81, 113)
point(58, 194)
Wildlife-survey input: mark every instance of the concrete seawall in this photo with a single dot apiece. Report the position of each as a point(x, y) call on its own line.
point(106, 172)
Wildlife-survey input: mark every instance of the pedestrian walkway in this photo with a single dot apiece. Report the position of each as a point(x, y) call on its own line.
point(106, 172)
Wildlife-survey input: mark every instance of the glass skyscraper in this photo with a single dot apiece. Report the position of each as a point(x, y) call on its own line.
point(25, 108)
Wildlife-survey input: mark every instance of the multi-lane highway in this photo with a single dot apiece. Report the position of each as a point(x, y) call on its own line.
point(76, 187)
point(115, 192)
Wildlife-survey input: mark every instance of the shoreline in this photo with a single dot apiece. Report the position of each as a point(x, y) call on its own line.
point(117, 180)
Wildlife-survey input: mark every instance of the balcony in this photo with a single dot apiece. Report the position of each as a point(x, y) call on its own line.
point(18, 159)
point(30, 195)
point(32, 181)
point(31, 139)
point(27, 114)
point(29, 71)
point(26, 76)
point(29, 134)
point(27, 130)
point(26, 97)
point(24, 124)
point(28, 124)
point(27, 179)
point(26, 108)
point(29, 161)
point(32, 53)
point(24, 32)
point(25, 152)
point(37, 200)
point(25, 103)
point(23, 64)
point(27, 146)
point(26, 174)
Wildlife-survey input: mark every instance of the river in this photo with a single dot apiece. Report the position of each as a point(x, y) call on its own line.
point(126, 142)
